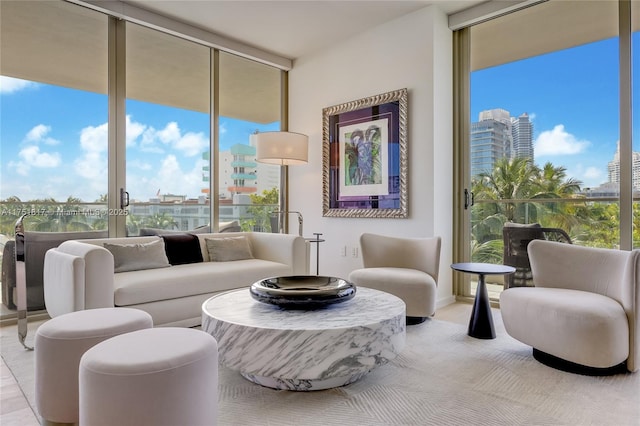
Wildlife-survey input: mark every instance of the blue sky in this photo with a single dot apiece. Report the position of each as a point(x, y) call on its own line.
point(54, 140)
point(54, 144)
point(572, 98)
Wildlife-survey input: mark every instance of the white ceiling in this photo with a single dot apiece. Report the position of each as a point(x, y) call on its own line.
point(291, 28)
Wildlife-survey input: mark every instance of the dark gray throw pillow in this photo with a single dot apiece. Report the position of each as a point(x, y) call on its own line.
point(182, 248)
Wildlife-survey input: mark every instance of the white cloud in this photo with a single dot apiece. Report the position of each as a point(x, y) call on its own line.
point(32, 157)
point(593, 173)
point(189, 144)
point(169, 134)
point(192, 144)
point(134, 130)
point(558, 142)
point(35, 158)
point(39, 134)
point(139, 165)
point(532, 116)
point(590, 176)
point(91, 165)
point(95, 139)
point(169, 176)
point(11, 85)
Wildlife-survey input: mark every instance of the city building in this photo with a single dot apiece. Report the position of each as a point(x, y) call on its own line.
point(613, 168)
point(497, 135)
point(522, 137)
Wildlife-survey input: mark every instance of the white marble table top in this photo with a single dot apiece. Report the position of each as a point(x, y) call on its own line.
point(305, 349)
point(367, 307)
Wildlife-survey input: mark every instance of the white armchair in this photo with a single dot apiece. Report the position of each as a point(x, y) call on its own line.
point(405, 267)
point(582, 313)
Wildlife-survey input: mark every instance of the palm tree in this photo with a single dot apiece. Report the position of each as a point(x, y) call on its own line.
point(532, 189)
point(59, 217)
point(510, 179)
point(552, 182)
point(160, 221)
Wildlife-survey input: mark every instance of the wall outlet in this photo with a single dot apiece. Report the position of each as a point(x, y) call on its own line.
point(354, 252)
point(343, 251)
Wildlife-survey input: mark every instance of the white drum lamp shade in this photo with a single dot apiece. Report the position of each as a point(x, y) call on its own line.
point(281, 148)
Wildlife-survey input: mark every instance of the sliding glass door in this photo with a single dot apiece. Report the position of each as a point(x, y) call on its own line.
point(544, 137)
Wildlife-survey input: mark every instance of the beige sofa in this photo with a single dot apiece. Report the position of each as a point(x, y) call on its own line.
point(81, 274)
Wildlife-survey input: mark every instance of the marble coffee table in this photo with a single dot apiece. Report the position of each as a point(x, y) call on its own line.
point(305, 349)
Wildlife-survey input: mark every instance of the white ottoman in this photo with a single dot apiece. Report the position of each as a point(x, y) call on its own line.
point(59, 345)
point(160, 376)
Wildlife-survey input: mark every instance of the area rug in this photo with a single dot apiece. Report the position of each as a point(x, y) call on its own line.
point(443, 377)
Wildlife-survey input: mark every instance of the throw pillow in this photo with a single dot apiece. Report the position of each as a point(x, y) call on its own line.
point(228, 249)
point(182, 248)
point(134, 257)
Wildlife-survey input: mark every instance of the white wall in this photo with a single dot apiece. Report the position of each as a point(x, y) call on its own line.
point(412, 52)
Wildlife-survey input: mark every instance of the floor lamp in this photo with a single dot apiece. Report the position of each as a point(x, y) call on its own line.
point(284, 149)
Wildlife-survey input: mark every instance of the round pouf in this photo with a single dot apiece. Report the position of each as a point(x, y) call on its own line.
point(59, 345)
point(160, 376)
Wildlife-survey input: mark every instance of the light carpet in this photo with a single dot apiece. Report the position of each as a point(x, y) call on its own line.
point(443, 377)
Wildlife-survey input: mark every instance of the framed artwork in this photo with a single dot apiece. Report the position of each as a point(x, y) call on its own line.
point(364, 150)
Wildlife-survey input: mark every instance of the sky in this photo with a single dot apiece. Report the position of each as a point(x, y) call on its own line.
point(572, 99)
point(53, 140)
point(54, 144)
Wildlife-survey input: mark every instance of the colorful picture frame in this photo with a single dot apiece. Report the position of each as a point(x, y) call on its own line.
point(365, 157)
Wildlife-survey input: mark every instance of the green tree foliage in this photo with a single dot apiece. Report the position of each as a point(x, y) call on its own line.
point(159, 221)
point(260, 211)
point(526, 193)
point(45, 215)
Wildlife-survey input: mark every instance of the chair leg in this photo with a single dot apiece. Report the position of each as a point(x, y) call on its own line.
point(415, 320)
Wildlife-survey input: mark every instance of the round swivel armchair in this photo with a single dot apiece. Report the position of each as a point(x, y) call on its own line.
point(405, 267)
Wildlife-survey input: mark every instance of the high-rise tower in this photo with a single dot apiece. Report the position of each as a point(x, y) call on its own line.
point(490, 139)
point(613, 168)
point(522, 137)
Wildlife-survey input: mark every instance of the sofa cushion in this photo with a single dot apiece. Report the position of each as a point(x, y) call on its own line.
point(182, 248)
point(137, 287)
point(229, 249)
point(140, 256)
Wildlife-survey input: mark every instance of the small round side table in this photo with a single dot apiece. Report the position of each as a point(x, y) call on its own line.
point(481, 322)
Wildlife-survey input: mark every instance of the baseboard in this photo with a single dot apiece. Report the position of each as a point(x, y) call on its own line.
point(441, 303)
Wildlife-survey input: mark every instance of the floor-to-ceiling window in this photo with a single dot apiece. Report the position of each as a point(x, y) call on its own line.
point(53, 105)
point(544, 137)
point(168, 82)
point(250, 102)
point(105, 119)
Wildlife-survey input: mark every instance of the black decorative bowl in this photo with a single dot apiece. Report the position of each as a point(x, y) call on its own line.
point(303, 291)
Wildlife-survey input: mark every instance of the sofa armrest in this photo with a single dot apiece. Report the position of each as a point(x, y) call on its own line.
point(97, 290)
point(283, 248)
point(64, 283)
